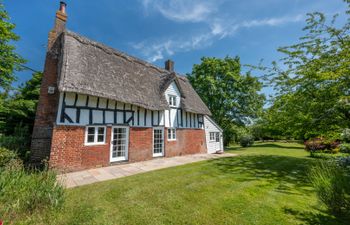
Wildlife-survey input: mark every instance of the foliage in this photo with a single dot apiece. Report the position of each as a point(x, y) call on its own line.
point(332, 183)
point(322, 155)
point(19, 108)
point(8, 159)
point(313, 97)
point(345, 136)
point(322, 145)
point(232, 98)
point(18, 142)
point(246, 141)
point(345, 148)
point(25, 192)
point(10, 61)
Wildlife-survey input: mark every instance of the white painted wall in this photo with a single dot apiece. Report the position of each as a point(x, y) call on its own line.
point(211, 126)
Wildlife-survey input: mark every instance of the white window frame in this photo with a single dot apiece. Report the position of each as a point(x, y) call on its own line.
point(172, 100)
point(172, 132)
point(95, 135)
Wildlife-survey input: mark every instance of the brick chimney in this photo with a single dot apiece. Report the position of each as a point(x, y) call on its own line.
point(46, 111)
point(169, 65)
point(60, 24)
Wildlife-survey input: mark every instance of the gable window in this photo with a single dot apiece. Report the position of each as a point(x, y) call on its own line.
point(172, 100)
point(171, 134)
point(95, 135)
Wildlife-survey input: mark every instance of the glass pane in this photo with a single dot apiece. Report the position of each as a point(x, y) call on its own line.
point(174, 134)
point(101, 130)
point(100, 138)
point(90, 138)
point(169, 133)
point(91, 130)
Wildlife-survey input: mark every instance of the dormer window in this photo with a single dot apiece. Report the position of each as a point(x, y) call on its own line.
point(172, 100)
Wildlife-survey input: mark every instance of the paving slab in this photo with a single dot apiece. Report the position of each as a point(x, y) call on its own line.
point(74, 179)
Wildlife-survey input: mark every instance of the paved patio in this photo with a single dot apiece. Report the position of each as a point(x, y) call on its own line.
point(90, 176)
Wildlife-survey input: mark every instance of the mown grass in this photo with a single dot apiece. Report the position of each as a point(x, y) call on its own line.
point(266, 184)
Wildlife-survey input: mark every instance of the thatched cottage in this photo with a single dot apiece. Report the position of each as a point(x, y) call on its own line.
point(99, 106)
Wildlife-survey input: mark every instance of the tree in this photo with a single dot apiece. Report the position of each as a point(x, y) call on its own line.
point(19, 108)
point(313, 92)
point(9, 60)
point(232, 98)
point(17, 114)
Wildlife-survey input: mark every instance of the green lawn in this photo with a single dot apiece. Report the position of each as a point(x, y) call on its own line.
point(266, 184)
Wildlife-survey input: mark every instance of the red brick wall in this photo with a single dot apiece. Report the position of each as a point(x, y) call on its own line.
point(140, 144)
point(188, 141)
point(68, 152)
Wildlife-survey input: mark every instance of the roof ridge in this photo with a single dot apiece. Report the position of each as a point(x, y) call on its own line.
point(109, 50)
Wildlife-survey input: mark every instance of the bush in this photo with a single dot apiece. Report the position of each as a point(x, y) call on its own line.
point(331, 182)
point(9, 160)
point(246, 141)
point(322, 145)
point(345, 136)
point(18, 142)
point(345, 148)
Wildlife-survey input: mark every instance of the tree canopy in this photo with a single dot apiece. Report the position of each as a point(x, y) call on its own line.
point(10, 61)
point(232, 97)
point(313, 89)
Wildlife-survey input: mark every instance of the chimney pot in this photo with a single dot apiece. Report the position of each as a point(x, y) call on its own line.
point(63, 7)
point(169, 65)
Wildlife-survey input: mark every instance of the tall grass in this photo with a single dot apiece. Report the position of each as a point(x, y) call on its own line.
point(332, 184)
point(23, 192)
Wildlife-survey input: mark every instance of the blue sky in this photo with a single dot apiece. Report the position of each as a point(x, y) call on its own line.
point(182, 30)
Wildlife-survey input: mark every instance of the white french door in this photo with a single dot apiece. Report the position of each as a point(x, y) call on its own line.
point(119, 143)
point(158, 141)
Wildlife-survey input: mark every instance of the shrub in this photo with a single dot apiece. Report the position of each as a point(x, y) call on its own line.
point(345, 148)
point(9, 159)
point(322, 145)
point(331, 182)
point(345, 136)
point(18, 143)
point(246, 141)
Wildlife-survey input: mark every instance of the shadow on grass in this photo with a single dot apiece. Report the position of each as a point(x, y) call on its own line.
point(288, 174)
point(321, 218)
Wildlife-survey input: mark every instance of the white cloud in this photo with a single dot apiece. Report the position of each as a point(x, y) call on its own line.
point(182, 10)
point(217, 25)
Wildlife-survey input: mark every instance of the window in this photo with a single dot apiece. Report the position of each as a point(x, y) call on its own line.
point(212, 136)
point(171, 134)
point(217, 137)
point(95, 135)
point(172, 100)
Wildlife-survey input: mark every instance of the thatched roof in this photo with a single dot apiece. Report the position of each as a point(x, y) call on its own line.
point(88, 67)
